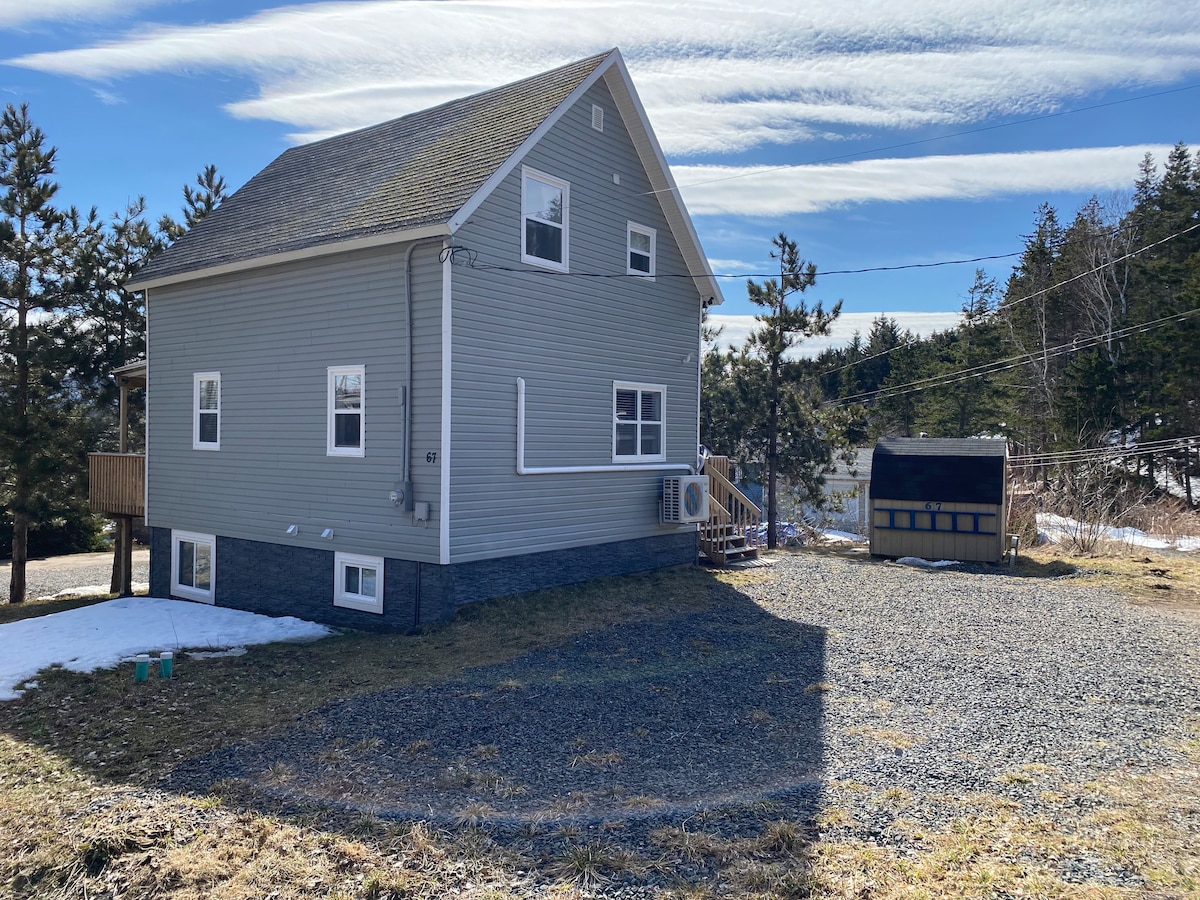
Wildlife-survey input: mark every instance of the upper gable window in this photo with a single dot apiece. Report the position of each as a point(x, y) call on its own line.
point(641, 250)
point(545, 220)
point(346, 387)
point(206, 411)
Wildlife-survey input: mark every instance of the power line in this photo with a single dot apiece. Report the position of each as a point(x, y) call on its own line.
point(1094, 453)
point(458, 252)
point(1009, 304)
point(947, 378)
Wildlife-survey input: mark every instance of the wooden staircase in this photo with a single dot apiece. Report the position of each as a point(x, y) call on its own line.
point(731, 532)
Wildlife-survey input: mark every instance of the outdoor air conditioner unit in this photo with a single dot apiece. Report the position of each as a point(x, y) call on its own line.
point(685, 499)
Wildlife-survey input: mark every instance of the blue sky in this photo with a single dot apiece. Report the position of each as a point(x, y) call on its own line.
point(867, 131)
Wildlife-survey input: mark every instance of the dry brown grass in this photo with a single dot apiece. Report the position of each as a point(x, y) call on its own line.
point(1143, 576)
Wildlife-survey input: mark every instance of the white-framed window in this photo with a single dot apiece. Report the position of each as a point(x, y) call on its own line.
point(641, 250)
point(545, 220)
point(193, 565)
point(347, 406)
point(206, 411)
point(639, 432)
point(358, 582)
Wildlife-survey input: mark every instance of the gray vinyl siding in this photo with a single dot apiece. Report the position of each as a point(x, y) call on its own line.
point(570, 338)
point(272, 333)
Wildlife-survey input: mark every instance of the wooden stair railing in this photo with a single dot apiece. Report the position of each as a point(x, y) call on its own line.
point(732, 529)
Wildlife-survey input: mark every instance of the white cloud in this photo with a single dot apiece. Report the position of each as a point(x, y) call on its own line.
point(777, 191)
point(717, 76)
point(22, 12)
point(923, 324)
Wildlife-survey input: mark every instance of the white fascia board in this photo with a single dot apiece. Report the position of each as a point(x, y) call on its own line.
point(467, 209)
point(274, 259)
point(629, 105)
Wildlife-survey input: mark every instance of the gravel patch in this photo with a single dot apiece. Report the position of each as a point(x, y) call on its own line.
point(818, 684)
point(46, 577)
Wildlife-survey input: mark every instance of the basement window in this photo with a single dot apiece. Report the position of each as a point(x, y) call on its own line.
point(193, 564)
point(358, 582)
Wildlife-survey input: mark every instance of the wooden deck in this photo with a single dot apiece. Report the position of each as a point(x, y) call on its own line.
point(117, 484)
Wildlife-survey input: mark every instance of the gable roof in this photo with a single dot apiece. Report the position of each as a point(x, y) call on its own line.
point(416, 176)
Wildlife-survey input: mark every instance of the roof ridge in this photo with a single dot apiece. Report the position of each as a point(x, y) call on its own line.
point(588, 62)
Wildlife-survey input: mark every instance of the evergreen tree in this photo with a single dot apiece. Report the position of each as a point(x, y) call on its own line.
point(789, 420)
point(210, 192)
point(34, 244)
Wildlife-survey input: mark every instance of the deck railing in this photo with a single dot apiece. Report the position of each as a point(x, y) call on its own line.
point(117, 483)
point(732, 513)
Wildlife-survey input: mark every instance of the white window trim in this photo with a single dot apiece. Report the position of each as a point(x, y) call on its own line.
point(565, 187)
point(631, 229)
point(357, 601)
point(331, 412)
point(197, 444)
point(186, 590)
point(640, 457)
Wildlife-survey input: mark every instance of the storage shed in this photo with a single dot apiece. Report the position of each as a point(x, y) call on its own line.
point(939, 498)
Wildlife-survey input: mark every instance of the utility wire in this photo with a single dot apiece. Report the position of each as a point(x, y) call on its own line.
point(1009, 304)
point(947, 378)
point(1091, 454)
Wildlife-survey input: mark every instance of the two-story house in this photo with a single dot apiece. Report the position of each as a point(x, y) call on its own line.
point(440, 359)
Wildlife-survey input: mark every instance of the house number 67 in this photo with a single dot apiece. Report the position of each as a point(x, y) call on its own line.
point(431, 456)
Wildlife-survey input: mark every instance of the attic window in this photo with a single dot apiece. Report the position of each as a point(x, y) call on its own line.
point(544, 220)
point(641, 250)
point(597, 117)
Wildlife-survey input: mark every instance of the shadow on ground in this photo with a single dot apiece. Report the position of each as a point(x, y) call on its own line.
point(717, 712)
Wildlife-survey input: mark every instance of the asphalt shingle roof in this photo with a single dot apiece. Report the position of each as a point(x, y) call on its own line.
point(406, 173)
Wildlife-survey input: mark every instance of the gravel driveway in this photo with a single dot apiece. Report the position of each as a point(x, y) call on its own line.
point(821, 683)
point(44, 577)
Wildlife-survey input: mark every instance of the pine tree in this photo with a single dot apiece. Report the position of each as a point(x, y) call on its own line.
point(33, 245)
point(210, 192)
point(782, 326)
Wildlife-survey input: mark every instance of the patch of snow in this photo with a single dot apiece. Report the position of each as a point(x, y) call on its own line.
point(926, 563)
point(1056, 529)
point(102, 635)
point(90, 590)
point(841, 537)
point(216, 654)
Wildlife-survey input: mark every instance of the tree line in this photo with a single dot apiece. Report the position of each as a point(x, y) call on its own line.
point(66, 322)
point(1092, 338)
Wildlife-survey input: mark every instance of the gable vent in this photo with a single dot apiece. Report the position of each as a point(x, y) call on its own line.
point(597, 117)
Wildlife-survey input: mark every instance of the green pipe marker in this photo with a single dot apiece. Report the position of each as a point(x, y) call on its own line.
point(141, 667)
point(166, 664)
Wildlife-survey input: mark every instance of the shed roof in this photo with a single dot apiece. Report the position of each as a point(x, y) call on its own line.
point(941, 447)
point(407, 177)
point(950, 470)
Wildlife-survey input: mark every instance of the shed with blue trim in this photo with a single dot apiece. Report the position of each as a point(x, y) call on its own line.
point(940, 498)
